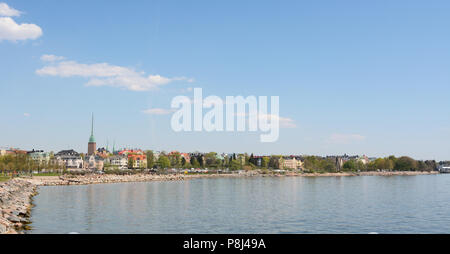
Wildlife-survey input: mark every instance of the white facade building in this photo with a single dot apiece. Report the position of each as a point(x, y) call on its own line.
point(118, 161)
point(40, 157)
point(70, 159)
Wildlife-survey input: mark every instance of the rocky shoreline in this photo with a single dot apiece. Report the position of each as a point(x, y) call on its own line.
point(15, 205)
point(104, 178)
point(368, 173)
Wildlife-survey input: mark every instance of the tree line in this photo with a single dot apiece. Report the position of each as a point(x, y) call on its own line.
point(391, 163)
point(22, 163)
point(212, 161)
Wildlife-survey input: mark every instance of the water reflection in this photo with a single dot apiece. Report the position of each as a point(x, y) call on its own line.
point(399, 204)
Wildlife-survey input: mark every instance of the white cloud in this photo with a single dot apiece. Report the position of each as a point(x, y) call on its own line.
point(345, 138)
point(104, 74)
point(51, 58)
point(11, 31)
point(6, 11)
point(285, 122)
point(26, 114)
point(158, 111)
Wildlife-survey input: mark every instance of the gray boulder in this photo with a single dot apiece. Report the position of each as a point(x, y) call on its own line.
point(3, 229)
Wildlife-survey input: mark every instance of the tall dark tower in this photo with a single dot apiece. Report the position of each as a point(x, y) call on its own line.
point(92, 146)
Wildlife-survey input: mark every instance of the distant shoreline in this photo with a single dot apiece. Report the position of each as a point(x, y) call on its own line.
point(105, 178)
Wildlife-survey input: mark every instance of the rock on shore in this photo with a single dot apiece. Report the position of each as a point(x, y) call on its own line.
point(15, 205)
point(105, 178)
point(100, 179)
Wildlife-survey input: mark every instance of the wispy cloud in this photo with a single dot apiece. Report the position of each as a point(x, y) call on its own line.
point(158, 111)
point(104, 74)
point(288, 123)
point(26, 114)
point(11, 31)
point(285, 122)
point(51, 58)
point(7, 11)
point(337, 138)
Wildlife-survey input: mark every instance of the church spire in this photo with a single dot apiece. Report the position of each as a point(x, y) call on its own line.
point(92, 146)
point(92, 126)
point(92, 139)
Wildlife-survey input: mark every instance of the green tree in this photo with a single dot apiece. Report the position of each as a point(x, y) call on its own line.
point(150, 159)
point(195, 163)
point(163, 162)
point(235, 165)
point(130, 162)
point(275, 162)
point(313, 163)
point(405, 164)
point(265, 162)
point(211, 160)
point(175, 159)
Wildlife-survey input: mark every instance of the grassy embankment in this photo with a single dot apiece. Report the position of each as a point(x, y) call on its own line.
point(4, 178)
point(47, 174)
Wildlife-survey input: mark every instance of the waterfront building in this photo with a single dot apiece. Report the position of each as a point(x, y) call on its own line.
point(39, 156)
point(102, 152)
point(259, 160)
point(186, 156)
point(92, 145)
point(12, 151)
point(137, 155)
point(225, 156)
point(131, 151)
point(292, 162)
point(71, 159)
point(220, 157)
point(117, 162)
point(90, 162)
point(100, 163)
point(94, 162)
point(241, 159)
point(156, 155)
point(444, 168)
point(364, 159)
point(139, 160)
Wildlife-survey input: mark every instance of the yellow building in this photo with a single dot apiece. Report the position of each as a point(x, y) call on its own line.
point(292, 163)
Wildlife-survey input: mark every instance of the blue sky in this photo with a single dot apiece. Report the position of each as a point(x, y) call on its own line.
point(356, 77)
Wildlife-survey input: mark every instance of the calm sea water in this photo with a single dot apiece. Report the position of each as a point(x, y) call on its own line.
point(395, 204)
